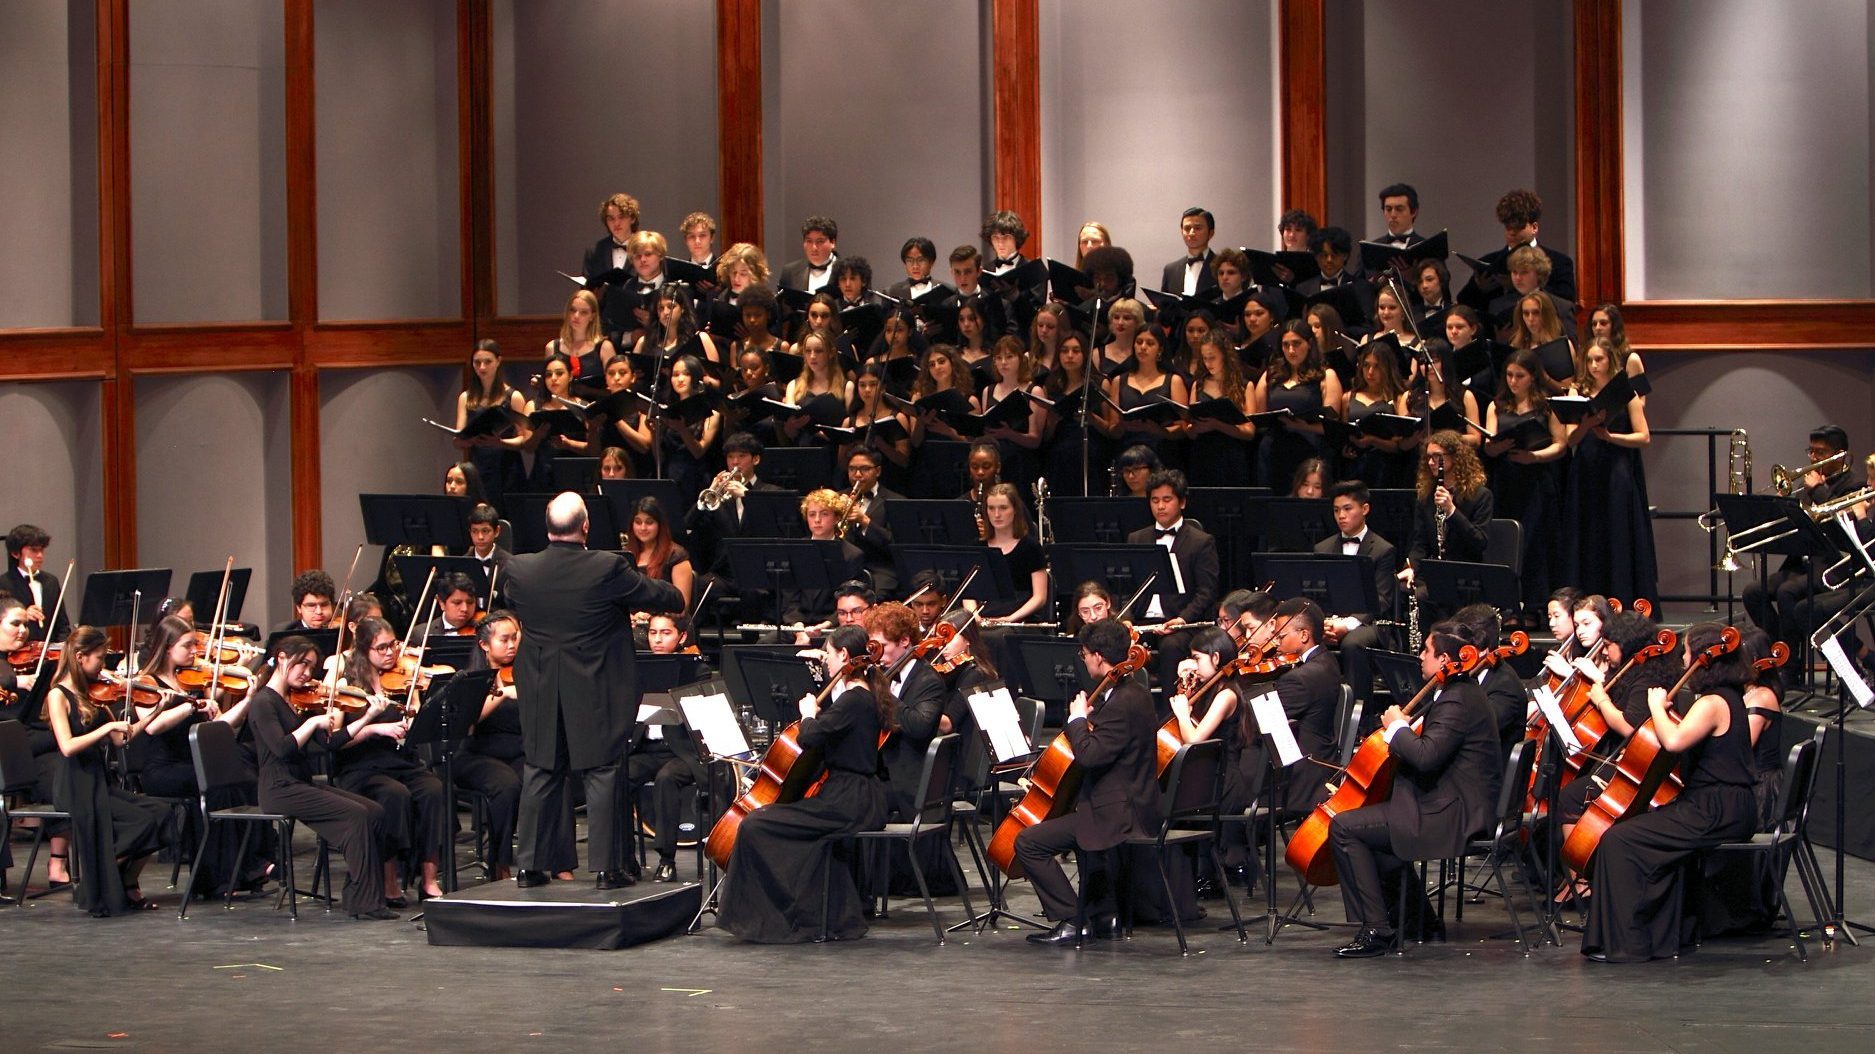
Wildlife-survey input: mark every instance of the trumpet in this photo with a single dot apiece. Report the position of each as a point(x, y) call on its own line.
point(1785, 480)
point(728, 484)
point(855, 507)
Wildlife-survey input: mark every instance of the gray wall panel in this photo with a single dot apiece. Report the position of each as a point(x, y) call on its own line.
point(1142, 118)
point(387, 159)
point(372, 440)
point(48, 173)
point(57, 483)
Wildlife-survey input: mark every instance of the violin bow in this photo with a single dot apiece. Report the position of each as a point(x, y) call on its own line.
point(1134, 599)
point(65, 585)
point(957, 595)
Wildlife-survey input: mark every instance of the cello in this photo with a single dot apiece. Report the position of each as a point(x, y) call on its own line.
point(1641, 777)
point(1054, 779)
point(1367, 780)
point(787, 772)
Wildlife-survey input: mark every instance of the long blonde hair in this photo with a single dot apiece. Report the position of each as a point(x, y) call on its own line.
point(595, 332)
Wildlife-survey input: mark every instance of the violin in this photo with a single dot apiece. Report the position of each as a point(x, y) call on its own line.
point(504, 676)
point(1368, 780)
point(143, 691)
point(788, 771)
point(314, 697)
point(233, 681)
point(1641, 776)
point(25, 658)
point(1054, 779)
point(398, 679)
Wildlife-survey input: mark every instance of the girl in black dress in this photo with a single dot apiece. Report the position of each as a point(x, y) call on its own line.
point(497, 458)
point(555, 393)
point(582, 340)
point(490, 760)
point(1008, 521)
point(1216, 717)
point(373, 764)
point(1377, 389)
point(352, 823)
point(113, 832)
point(1738, 892)
point(1068, 445)
point(1297, 380)
point(771, 891)
point(1608, 533)
point(890, 447)
point(1148, 379)
point(18, 702)
point(690, 449)
point(1219, 453)
point(1016, 444)
point(628, 431)
point(1637, 913)
point(1530, 442)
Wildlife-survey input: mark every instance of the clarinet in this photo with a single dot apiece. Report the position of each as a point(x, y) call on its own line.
point(1044, 531)
point(1439, 516)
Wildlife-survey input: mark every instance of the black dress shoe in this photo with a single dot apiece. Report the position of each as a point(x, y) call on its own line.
point(396, 902)
point(530, 879)
point(1063, 933)
point(376, 915)
point(614, 880)
point(1366, 945)
point(666, 871)
point(1596, 957)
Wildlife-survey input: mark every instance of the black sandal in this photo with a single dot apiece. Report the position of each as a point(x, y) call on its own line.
point(138, 902)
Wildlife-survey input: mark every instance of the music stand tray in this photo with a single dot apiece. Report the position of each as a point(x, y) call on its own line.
point(1452, 584)
point(416, 571)
point(1294, 525)
point(772, 514)
point(768, 680)
point(1390, 513)
point(799, 469)
point(456, 704)
point(575, 473)
point(418, 520)
point(931, 521)
point(1121, 568)
point(666, 673)
point(1229, 515)
point(951, 563)
point(1342, 585)
point(110, 595)
point(529, 518)
point(625, 494)
point(205, 588)
point(1399, 673)
point(1102, 521)
point(1759, 512)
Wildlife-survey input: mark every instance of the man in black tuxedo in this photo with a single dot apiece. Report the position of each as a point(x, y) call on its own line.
point(921, 696)
point(870, 532)
point(1399, 210)
point(576, 677)
point(966, 264)
point(1310, 692)
point(1358, 634)
point(1482, 626)
point(919, 256)
point(1005, 234)
point(484, 535)
point(712, 528)
point(1113, 741)
point(1190, 274)
point(1334, 248)
point(32, 585)
point(1192, 598)
point(699, 231)
point(820, 236)
point(315, 602)
point(1444, 789)
point(455, 605)
point(1521, 213)
point(607, 267)
point(666, 757)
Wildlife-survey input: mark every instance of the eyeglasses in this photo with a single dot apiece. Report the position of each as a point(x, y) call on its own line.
point(386, 646)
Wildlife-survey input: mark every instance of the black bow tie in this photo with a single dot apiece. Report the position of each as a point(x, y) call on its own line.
point(822, 269)
point(1192, 261)
point(1345, 540)
point(618, 244)
point(1165, 532)
point(1399, 239)
point(1006, 261)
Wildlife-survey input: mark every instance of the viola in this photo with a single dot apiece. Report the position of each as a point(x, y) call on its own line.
point(504, 676)
point(787, 773)
point(1054, 779)
point(1639, 776)
point(1170, 737)
point(1368, 780)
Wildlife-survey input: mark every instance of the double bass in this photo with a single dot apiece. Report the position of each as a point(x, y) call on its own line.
point(1054, 779)
point(1368, 781)
point(787, 772)
point(1641, 777)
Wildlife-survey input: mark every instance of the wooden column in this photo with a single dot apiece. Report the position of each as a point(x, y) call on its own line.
point(475, 157)
point(116, 404)
point(302, 279)
point(1302, 60)
point(1016, 100)
point(739, 119)
point(1599, 273)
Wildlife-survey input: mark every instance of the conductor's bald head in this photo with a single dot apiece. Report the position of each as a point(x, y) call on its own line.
point(566, 518)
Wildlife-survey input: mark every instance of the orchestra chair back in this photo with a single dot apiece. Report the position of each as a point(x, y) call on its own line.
point(937, 782)
point(18, 777)
point(1780, 845)
point(1503, 544)
point(218, 766)
point(1504, 843)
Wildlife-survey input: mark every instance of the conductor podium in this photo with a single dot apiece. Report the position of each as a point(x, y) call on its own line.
point(568, 914)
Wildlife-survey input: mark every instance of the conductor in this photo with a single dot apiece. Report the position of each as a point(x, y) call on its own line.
point(578, 689)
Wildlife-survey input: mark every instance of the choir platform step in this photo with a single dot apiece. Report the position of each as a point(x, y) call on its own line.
point(561, 915)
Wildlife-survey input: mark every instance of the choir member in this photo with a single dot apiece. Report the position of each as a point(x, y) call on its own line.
point(1191, 274)
point(1608, 538)
point(1219, 453)
point(496, 458)
point(582, 340)
point(688, 447)
point(1399, 210)
point(1299, 381)
point(820, 236)
point(918, 256)
point(555, 393)
point(36, 587)
point(1147, 378)
point(1530, 441)
point(1384, 461)
point(1005, 234)
point(608, 262)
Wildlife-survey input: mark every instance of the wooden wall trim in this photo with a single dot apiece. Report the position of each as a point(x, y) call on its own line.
point(1755, 325)
point(475, 153)
point(1599, 206)
point(1302, 60)
point(739, 120)
point(117, 445)
point(303, 467)
point(1016, 112)
point(302, 279)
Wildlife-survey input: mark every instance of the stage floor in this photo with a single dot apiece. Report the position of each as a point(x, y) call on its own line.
point(251, 980)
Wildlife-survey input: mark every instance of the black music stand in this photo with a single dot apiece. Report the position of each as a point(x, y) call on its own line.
point(530, 523)
point(1294, 525)
point(799, 469)
point(1097, 520)
point(768, 681)
point(1399, 673)
point(772, 514)
point(953, 563)
point(205, 588)
point(931, 521)
point(575, 473)
point(416, 572)
point(444, 719)
point(454, 650)
point(625, 494)
point(1452, 584)
point(719, 764)
point(1342, 585)
point(1230, 515)
point(1390, 513)
point(1049, 670)
point(111, 597)
point(418, 520)
point(667, 673)
point(941, 468)
point(326, 640)
point(1768, 524)
point(1121, 568)
point(791, 563)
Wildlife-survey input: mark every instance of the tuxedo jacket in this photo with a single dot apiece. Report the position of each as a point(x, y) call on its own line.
point(793, 275)
point(1116, 749)
point(920, 706)
point(1196, 553)
point(1172, 276)
point(711, 528)
point(613, 312)
point(1386, 564)
point(576, 672)
point(1464, 530)
point(1364, 292)
point(901, 289)
point(1561, 284)
point(1504, 690)
point(876, 539)
point(17, 584)
point(1446, 777)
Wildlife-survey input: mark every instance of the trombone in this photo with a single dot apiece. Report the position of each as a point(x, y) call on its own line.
point(1737, 477)
point(1785, 480)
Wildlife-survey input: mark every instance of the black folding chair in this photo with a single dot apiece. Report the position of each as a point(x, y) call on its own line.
point(218, 766)
point(1505, 842)
point(1779, 846)
point(936, 818)
point(18, 777)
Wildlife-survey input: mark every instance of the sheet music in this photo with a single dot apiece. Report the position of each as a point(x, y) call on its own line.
point(715, 721)
point(1851, 677)
point(995, 712)
point(1551, 707)
point(1268, 710)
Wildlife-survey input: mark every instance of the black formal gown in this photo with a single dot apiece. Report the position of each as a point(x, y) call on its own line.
point(1738, 891)
point(1607, 532)
point(1640, 872)
point(1376, 468)
point(1217, 459)
point(771, 893)
point(108, 823)
point(1529, 495)
point(1284, 449)
point(1132, 398)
